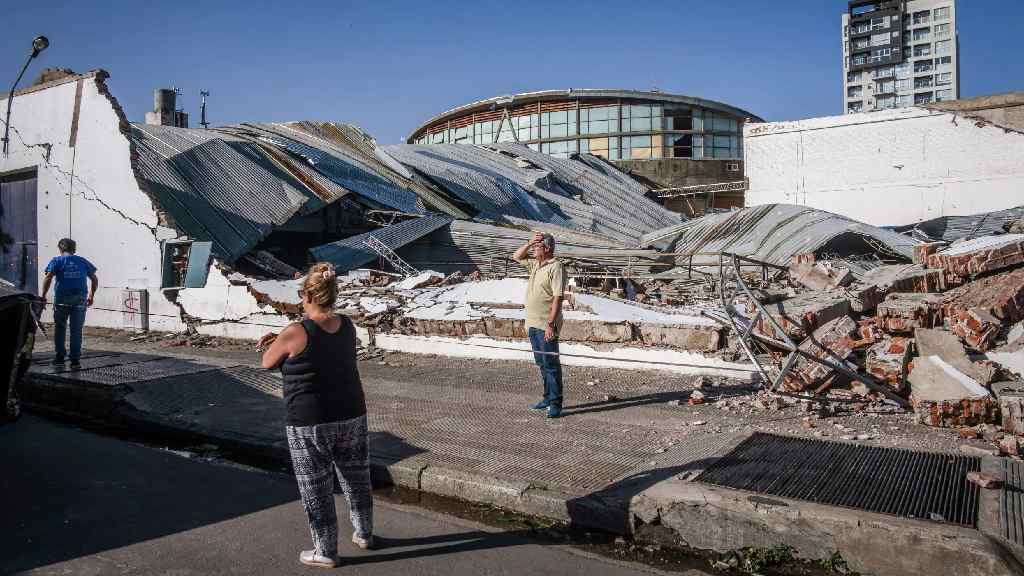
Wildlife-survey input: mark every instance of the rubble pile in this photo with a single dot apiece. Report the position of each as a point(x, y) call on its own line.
point(943, 337)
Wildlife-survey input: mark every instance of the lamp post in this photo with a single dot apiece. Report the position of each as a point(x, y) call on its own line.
point(39, 43)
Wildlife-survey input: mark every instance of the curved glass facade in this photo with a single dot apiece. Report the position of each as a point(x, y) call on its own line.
point(617, 130)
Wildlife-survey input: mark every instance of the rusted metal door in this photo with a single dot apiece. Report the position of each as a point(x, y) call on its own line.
point(19, 262)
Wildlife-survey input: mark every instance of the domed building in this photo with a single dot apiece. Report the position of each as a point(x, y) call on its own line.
point(668, 141)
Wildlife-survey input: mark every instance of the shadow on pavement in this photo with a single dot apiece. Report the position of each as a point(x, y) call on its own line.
point(710, 395)
point(63, 498)
point(610, 506)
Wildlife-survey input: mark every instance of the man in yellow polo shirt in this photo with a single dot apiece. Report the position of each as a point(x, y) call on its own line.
point(544, 314)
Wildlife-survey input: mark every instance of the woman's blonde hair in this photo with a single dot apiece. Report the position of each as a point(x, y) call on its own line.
point(321, 285)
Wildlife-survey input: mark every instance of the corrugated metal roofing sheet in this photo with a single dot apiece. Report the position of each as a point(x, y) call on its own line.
point(512, 181)
point(465, 245)
point(600, 184)
point(345, 168)
point(352, 140)
point(952, 228)
point(352, 252)
point(774, 233)
point(216, 187)
point(479, 178)
point(324, 189)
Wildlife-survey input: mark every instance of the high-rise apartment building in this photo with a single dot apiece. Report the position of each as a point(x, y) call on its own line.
point(899, 53)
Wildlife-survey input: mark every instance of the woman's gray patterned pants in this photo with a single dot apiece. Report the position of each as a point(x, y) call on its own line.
point(316, 450)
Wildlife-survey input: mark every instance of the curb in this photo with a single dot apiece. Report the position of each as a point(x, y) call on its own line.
point(699, 516)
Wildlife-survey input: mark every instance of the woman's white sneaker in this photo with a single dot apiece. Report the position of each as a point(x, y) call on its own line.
point(364, 543)
point(311, 558)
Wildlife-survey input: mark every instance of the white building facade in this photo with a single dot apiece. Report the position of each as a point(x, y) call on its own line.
point(70, 160)
point(899, 53)
point(889, 168)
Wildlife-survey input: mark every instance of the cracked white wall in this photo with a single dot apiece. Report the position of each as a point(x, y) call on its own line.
point(229, 311)
point(886, 168)
point(113, 222)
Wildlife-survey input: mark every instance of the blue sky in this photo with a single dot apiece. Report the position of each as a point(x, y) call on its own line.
point(388, 66)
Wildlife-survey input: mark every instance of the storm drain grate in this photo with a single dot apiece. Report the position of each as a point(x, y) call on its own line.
point(887, 480)
point(1011, 502)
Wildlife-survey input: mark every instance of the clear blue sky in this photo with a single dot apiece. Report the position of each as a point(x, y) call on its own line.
point(387, 66)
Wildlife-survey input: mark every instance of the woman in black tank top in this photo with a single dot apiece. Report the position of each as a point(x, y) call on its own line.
point(325, 415)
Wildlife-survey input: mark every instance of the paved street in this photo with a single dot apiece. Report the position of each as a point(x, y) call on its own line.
point(79, 503)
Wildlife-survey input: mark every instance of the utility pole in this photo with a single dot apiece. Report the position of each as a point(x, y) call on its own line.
point(202, 110)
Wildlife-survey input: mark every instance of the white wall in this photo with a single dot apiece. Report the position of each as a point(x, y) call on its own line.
point(886, 168)
point(112, 221)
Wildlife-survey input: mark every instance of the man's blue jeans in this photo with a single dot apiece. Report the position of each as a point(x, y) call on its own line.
point(549, 364)
point(70, 307)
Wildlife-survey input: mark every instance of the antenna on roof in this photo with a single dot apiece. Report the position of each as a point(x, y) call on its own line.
point(202, 110)
point(179, 116)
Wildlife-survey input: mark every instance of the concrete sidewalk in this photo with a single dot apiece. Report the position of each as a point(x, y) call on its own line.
point(622, 460)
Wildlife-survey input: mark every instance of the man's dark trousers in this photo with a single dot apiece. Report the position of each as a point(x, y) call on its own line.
point(549, 364)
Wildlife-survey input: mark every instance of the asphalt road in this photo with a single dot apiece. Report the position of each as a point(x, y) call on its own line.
point(74, 502)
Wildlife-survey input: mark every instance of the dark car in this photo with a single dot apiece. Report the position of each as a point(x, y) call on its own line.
point(17, 338)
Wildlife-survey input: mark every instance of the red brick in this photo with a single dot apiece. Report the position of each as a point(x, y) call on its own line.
point(978, 310)
point(889, 360)
point(922, 251)
point(903, 312)
point(979, 255)
point(801, 315)
point(831, 341)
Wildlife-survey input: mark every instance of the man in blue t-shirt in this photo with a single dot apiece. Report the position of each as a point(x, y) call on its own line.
point(70, 298)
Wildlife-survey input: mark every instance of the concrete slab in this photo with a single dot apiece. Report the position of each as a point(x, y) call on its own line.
point(944, 396)
point(944, 344)
point(707, 517)
point(819, 275)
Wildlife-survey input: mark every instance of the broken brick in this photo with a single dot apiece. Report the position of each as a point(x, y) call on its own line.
point(979, 255)
point(696, 397)
point(801, 315)
point(833, 341)
point(889, 359)
point(968, 433)
point(986, 480)
point(978, 310)
point(905, 278)
point(922, 251)
point(1010, 396)
point(863, 297)
point(1009, 445)
point(818, 275)
point(867, 333)
point(903, 312)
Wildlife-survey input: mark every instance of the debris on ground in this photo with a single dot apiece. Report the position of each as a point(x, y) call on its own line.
point(986, 480)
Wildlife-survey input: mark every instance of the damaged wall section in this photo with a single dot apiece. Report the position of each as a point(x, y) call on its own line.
point(74, 135)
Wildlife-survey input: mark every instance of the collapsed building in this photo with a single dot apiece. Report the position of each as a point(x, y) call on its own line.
point(208, 231)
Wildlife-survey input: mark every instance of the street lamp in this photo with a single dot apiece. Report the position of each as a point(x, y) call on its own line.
point(39, 43)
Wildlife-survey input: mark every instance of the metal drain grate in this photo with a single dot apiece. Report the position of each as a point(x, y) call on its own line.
point(1011, 502)
point(887, 480)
